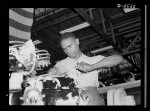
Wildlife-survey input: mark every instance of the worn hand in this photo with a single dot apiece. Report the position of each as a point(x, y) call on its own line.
point(84, 67)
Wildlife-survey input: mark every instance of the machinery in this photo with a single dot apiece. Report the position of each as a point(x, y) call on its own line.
point(26, 88)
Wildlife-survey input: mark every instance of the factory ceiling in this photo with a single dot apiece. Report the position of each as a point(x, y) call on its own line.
point(96, 28)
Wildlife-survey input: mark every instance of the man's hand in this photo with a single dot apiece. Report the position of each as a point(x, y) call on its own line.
point(84, 67)
point(54, 71)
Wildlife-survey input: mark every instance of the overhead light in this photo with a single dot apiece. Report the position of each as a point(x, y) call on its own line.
point(77, 27)
point(101, 49)
point(126, 10)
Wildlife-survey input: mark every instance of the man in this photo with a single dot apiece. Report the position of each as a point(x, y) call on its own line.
point(88, 67)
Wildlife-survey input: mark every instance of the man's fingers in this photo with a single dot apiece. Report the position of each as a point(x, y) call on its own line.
point(50, 71)
point(54, 71)
point(57, 71)
point(81, 68)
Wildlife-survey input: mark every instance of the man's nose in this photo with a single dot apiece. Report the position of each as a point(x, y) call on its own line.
point(67, 50)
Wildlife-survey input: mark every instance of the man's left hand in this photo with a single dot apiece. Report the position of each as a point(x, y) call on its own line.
point(85, 67)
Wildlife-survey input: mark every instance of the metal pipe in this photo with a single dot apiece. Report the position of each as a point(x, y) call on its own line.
point(102, 19)
point(113, 35)
point(131, 26)
point(102, 49)
point(75, 28)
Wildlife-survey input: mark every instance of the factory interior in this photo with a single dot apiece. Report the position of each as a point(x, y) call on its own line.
point(101, 31)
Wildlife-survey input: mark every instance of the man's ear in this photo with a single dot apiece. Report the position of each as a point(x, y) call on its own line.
point(77, 41)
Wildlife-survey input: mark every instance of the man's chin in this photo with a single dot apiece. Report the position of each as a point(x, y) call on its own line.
point(71, 56)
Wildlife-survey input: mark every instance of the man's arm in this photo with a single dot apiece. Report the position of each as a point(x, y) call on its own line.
point(59, 69)
point(106, 62)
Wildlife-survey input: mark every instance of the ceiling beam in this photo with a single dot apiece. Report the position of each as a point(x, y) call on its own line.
point(49, 23)
point(75, 28)
point(45, 12)
point(101, 49)
point(97, 28)
point(52, 16)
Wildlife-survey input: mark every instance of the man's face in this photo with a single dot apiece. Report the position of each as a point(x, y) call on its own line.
point(70, 47)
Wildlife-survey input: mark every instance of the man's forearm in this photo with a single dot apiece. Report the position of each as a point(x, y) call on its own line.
point(108, 62)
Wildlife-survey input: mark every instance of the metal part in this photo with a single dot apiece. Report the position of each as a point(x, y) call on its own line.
point(134, 41)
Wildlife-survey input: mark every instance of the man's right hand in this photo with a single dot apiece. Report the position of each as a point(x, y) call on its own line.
point(54, 71)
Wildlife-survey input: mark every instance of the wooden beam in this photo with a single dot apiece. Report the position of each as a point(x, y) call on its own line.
point(97, 28)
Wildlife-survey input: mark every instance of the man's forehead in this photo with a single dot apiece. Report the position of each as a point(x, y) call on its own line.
point(66, 42)
point(68, 39)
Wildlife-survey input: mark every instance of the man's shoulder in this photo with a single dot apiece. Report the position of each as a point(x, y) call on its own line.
point(63, 60)
point(97, 56)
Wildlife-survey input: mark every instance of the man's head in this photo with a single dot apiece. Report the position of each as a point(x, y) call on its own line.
point(70, 44)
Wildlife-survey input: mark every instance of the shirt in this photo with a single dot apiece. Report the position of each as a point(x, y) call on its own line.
point(83, 80)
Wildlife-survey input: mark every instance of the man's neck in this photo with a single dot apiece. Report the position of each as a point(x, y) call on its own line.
point(78, 56)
